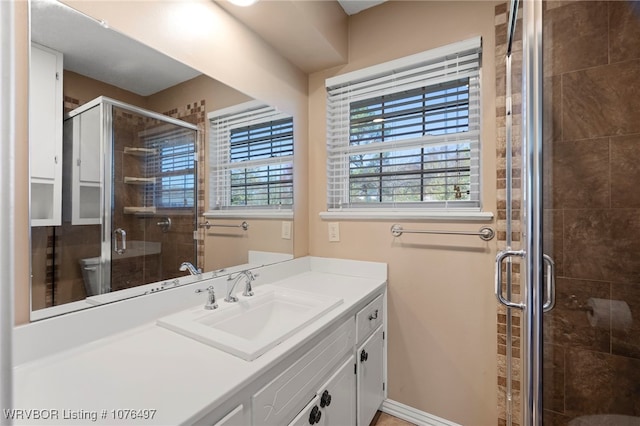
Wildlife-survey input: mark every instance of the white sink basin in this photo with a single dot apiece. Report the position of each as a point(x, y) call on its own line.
point(253, 325)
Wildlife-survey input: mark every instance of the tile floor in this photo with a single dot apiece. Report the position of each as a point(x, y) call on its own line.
point(384, 419)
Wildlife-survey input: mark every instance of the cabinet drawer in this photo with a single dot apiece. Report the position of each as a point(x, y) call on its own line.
point(368, 319)
point(277, 402)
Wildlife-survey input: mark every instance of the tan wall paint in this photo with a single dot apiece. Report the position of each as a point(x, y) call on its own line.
point(225, 247)
point(22, 293)
point(84, 89)
point(442, 331)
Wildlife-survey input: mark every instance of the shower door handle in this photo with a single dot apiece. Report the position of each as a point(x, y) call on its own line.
point(550, 283)
point(499, 259)
point(123, 238)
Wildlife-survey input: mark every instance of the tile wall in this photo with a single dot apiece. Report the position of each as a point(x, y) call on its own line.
point(592, 206)
point(516, 173)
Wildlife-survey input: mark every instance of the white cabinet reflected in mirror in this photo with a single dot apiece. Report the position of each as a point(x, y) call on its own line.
point(129, 190)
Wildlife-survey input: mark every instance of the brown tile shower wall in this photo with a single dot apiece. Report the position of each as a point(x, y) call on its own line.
point(592, 143)
point(592, 206)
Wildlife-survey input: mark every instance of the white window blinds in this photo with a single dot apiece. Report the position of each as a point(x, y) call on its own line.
point(170, 167)
point(251, 158)
point(406, 133)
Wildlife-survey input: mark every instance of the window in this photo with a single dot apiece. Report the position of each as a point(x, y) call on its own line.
point(406, 133)
point(251, 156)
point(172, 164)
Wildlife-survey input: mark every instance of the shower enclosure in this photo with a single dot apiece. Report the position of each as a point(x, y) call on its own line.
point(568, 275)
point(129, 207)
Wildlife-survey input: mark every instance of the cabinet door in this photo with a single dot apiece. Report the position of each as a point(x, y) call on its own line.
point(338, 396)
point(311, 414)
point(370, 380)
point(85, 131)
point(45, 136)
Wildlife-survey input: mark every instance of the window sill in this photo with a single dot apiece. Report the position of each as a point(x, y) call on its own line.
point(244, 214)
point(415, 215)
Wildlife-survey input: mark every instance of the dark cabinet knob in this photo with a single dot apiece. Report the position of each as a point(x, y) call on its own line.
point(315, 415)
point(325, 399)
point(363, 356)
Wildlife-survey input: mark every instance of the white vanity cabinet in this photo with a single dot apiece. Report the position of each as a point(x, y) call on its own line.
point(45, 136)
point(280, 401)
point(335, 403)
point(370, 377)
point(370, 360)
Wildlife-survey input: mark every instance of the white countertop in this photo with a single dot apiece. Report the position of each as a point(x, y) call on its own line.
point(149, 367)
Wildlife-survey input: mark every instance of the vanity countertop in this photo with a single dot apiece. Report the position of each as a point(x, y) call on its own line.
point(149, 367)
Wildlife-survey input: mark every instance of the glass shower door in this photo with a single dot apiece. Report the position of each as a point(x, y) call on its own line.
point(591, 141)
point(580, 204)
point(153, 215)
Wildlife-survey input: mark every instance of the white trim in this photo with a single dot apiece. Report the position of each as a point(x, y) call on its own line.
point(426, 215)
point(407, 61)
point(413, 415)
point(235, 109)
point(256, 214)
point(8, 203)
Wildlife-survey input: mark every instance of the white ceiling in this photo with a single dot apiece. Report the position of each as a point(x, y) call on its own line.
point(119, 60)
point(351, 7)
point(130, 65)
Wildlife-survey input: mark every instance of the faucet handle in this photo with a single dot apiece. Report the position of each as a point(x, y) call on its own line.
point(211, 299)
point(248, 291)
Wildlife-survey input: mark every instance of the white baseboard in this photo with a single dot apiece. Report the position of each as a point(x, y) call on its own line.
point(413, 415)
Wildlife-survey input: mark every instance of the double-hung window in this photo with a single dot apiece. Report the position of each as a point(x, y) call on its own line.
point(251, 158)
point(406, 133)
point(171, 165)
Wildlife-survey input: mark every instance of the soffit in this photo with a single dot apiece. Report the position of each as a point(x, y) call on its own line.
point(311, 34)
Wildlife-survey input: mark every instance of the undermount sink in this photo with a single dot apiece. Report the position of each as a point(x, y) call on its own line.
point(253, 325)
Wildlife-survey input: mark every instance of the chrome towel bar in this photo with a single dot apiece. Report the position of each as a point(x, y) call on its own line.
point(244, 225)
point(485, 233)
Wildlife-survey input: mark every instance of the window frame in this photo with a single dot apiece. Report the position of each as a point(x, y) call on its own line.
point(220, 164)
point(158, 140)
point(366, 84)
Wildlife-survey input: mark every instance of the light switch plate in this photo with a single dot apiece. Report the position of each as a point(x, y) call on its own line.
point(334, 231)
point(286, 230)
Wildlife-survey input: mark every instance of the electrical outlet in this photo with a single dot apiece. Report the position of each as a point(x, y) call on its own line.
point(334, 231)
point(286, 230)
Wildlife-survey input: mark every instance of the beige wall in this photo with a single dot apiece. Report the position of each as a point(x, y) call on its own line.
point(22, 294)
point(225, 247)
point(84, 89)
point(442, 332)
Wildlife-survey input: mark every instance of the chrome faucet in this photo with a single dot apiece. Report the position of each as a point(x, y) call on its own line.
point(186, 266)
point(247, 285)
point(211, 297)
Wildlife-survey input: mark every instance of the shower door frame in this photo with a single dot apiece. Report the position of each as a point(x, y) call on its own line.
point(534, 299)
point(533, 302)
point(108, 195)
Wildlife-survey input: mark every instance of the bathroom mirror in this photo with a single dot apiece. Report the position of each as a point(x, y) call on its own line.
point(137, 162)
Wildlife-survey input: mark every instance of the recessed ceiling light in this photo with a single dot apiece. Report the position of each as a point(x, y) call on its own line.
point(243, 3)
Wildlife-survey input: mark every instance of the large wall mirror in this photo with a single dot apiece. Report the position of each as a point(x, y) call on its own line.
point(142, 167)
